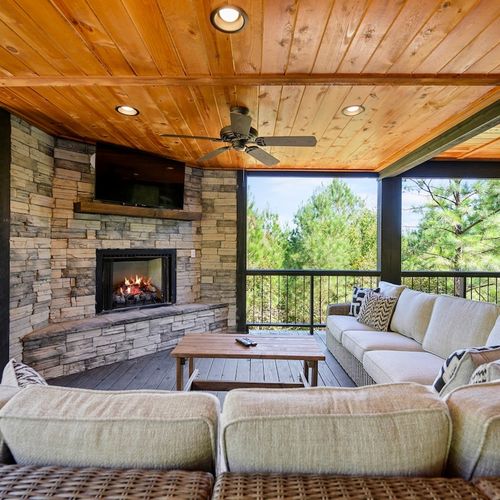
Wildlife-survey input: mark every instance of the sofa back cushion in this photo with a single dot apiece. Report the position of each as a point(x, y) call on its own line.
point(494, 336)
point(390, 289)
point(457, 324)
point(374, 430)
point(475, 412)
point(129, 429)
point(413, 313)
point(6, 393)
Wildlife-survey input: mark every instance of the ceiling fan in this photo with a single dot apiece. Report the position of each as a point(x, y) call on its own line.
point(243, 137)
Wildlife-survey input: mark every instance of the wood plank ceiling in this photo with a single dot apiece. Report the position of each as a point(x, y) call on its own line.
point(417, 66)
point(485, 146)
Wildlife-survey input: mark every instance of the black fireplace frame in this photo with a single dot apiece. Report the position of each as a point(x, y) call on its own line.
point(104, 286)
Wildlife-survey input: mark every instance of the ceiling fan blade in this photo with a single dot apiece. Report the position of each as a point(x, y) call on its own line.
point(262, 156)
point(177, 136)
point(296, 141)
point(214, 153)
point(240, 123)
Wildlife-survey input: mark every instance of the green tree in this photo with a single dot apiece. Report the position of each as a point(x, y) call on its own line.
point(333, 230)
point(459, 226)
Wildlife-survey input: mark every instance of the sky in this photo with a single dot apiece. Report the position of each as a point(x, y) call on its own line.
point(284, 195)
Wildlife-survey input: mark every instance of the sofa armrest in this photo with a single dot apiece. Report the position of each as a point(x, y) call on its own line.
point(338, 309)
point(6, 393)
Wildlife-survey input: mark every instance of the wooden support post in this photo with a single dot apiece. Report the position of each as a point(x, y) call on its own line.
point(389, 229)
point(5, 156)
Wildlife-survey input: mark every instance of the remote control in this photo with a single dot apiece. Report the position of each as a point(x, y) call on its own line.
point(246, 341)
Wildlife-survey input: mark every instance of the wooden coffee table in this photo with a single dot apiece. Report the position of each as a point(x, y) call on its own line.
point(206, 345)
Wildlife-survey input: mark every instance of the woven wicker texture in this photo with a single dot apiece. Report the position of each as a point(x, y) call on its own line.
point(489, 486)
point(59, 482)
point(231, 486)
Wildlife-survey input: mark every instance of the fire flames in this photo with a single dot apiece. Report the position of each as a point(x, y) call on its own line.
point(139, 284)
point(136, 291)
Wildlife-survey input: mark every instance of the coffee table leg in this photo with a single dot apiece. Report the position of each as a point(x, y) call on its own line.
point(180, 369)
point(314, 374)
point(191, 366)
point(306, 370)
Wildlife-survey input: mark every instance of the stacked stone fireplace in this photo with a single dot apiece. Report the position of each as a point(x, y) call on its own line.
point(62, 316)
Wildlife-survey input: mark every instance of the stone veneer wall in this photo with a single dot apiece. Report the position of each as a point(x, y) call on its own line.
point(53, 248)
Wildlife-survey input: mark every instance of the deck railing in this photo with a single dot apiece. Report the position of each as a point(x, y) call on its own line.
point(299, 298)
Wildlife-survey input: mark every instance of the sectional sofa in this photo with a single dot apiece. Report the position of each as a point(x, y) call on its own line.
point(425, 329)
point(390, 440)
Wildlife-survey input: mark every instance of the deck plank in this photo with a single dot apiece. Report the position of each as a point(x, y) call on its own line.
point(157, 372)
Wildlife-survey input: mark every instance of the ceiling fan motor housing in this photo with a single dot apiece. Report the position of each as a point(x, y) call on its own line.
point(227, 134)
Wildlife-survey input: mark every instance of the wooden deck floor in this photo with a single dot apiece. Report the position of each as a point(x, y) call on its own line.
point(157, 371)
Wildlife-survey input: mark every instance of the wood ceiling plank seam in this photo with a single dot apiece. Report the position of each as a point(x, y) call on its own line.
point(14, 44)
point(399, 35)
point(463, 33)
point(491, 96)
point(123, 32)
point(348, 100)
point(446, 16)
point(345, 14)
point(60, 117)
point(15, 65)
point(277, 31)
point(292, 34)
point(25, 27)
point(155, 36)
point(486, 40)
point(375, 122)
point(90, 29)
point(311, 19)
point(246, 45)
point(377, 20)
point(63, 34)
point(434, 119)
point(488, 63)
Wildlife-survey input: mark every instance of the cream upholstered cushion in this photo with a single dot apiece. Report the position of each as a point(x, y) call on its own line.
point(494, 336)
point(457, 324)
point(6, 393)
point(475, 446)
point(129, 429)
point(358, 342)
point(374, 430)
point(402, 366)
point(413, 313)
point(337, 325)
point(390, 289)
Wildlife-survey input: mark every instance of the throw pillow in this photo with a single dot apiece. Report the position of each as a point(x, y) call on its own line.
point(20, 375)
point(376, 311)
point(458, 368)
point(486, 373)
point(358, 294)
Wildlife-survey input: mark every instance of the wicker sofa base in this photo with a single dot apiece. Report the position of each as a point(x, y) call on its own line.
point(18, 481)
point(265, 486)
point(352, 366)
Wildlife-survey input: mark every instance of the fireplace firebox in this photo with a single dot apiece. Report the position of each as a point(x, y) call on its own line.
point(134, 278)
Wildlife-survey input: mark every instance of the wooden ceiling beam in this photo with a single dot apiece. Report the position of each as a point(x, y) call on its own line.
point(474, 125)
point(395, 80)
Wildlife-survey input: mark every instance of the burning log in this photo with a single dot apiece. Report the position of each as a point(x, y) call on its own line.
point(136, 291)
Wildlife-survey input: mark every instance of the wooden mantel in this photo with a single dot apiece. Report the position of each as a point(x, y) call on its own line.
point(98, 207)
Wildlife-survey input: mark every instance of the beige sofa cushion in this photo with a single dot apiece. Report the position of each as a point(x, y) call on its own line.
point(413, 313)
point(457, 324)
point(129, 429)
point(390, 289)
point(475, 446)
point(6, 393)
point(336, 431)
point(494, 336)
point(358, 342)
point(402, 366)
point(339, 324)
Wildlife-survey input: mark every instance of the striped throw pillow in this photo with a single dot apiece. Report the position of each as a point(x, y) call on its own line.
point(376, 311)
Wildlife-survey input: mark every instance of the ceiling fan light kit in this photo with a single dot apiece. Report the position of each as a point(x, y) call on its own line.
point(228, 19)
point(243, 137)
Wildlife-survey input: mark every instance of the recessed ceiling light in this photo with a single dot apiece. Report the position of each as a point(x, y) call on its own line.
point(127, 110)
point(353, 110)
point(228, 19)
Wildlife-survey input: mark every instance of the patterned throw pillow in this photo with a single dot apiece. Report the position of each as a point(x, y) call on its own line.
point(358, 295)
point(21, 375)
point(376, 311)
point(486, 373)
point(458, 368)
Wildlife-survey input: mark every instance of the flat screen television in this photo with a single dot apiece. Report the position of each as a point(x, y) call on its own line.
point(132, 177)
